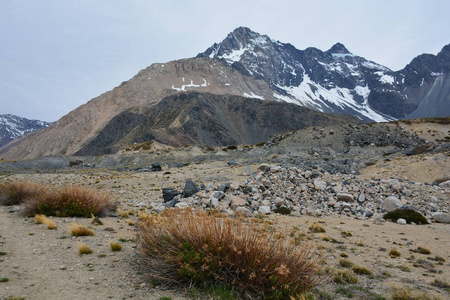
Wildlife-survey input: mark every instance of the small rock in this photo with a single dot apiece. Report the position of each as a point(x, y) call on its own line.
point(401, 221)
point(345, 197)
point(237, 201)
point(264, 209)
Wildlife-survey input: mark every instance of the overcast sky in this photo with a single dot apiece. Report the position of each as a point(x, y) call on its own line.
point(56, 55)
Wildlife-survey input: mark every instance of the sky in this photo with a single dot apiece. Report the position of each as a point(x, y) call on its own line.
point(57, 55)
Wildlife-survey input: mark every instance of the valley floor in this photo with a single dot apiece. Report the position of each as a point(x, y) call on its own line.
point(45, 264)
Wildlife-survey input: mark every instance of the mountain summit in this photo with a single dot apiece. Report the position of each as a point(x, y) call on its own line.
point(337, 80)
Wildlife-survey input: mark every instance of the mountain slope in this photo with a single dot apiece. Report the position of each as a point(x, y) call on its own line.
point(207, 119)
point(335, 80)
point(12, 127)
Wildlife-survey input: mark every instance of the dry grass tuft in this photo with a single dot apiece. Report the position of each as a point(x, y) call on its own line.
point(74, 201)
point(394, 253)
point(18, 191)
point(361, 270)
point(315, 227)
point(50, 224)
point(405, 293)
point(115, 246)
point(345, 277)
point(84, 249)
point(39, 219)
point(185, 246)
point(80, 230)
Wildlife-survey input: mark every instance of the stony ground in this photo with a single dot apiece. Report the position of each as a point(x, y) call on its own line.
point(341, 180)
point(45, 264)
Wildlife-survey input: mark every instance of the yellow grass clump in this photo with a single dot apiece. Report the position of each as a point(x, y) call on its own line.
point(84, 249)
point(80, 230)
point(50, 224)
point(115, 246)
point(39, 219)
point(187, 246)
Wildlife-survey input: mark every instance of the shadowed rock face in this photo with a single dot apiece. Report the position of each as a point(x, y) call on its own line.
point(207, 119)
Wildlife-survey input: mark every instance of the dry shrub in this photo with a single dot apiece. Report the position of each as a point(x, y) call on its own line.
point(18, 191)
point(39, 219)
point(405, 293)
point(50, 224)
point(74, 201)
point(84, 249)
point(80, 230)
point(186, 246)
point(115, 246)
point(316, 227)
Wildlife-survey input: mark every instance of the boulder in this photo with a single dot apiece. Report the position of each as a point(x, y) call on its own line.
point(392, 203)
point(169, 194)
point(441, 217)
point(156, 167)
point(190, 188)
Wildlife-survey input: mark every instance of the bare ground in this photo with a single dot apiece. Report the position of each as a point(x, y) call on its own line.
point(45, 264)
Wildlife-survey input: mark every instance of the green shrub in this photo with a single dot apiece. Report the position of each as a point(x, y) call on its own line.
point(202, 248)
point(282, 210)
point(407, 214)
point(232, 147)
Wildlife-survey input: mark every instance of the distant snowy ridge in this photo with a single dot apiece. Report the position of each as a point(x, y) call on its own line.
point(12, 127)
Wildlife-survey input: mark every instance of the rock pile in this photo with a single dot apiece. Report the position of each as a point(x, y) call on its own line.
point(315, 192)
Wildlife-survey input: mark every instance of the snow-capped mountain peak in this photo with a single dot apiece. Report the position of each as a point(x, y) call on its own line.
point(12, 127)
point(329, 81)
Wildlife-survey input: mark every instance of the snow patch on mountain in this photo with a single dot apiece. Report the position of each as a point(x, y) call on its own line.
point(190, 85)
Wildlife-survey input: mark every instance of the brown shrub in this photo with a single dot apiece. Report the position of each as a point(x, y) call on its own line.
point(186, 246)
point(17, 191)
point(74, 201)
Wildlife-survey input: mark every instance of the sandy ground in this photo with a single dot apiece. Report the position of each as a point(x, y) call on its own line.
point(45, 264)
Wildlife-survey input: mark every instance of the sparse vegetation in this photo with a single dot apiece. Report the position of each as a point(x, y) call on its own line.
point(404, 293)
point(17, 191)
point(39, 219)
point(75, 201)
point(394, 253)
point(345, 277)
point(316, 227)
point(84, 249)
point(115, 246)
point(421, 250)
point(345, 263)
point(50, 224)
point(407, 214)
point(186, 246)
point(80, 230)
point(361, 270)
point(4, 279)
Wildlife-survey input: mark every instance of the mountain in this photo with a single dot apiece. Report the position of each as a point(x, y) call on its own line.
point(206, 119)
point(339, 81)
point(12, 127)
point(246, 65)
